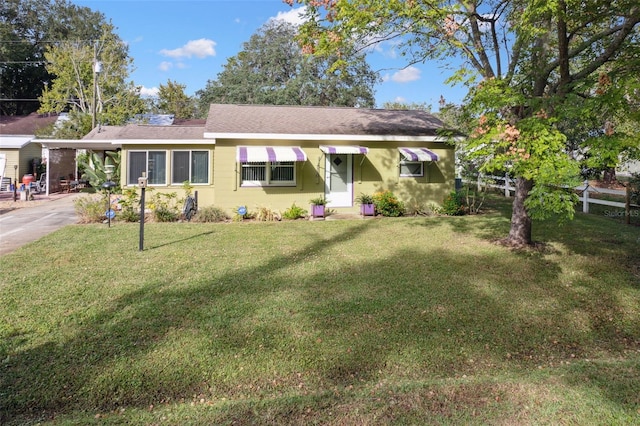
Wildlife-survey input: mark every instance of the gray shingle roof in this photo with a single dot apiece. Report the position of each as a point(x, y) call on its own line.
point(146, 132)
point(273, 119)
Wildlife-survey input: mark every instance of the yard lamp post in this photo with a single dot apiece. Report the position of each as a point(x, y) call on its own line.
point(15, 182)
point(142, 183)
point(109, 185)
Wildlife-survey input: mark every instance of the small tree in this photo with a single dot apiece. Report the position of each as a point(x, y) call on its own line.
point(173, 100)
point(94, 93)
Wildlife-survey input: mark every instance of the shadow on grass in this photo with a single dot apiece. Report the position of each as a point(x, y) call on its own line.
point(277, 327)
point(178, 241)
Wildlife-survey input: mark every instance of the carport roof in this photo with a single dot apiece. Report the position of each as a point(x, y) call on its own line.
point(112, 137)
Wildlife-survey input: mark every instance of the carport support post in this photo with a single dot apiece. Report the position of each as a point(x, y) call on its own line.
point(141, 245)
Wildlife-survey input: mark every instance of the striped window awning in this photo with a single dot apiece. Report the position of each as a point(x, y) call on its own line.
point(344, 149)
point(418, 154)
point(261, 154)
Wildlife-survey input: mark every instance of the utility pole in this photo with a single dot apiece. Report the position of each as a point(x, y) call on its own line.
point(97, 68)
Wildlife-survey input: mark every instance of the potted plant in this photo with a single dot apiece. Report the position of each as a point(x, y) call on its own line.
point(367, 207)
point(317, 206)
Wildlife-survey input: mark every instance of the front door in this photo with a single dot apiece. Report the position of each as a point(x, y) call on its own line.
point(339, 180)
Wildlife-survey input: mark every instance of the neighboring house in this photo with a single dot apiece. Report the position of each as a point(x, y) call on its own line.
point(19, 153)
point(18, 146)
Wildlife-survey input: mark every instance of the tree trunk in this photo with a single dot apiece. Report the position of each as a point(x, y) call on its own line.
point(520, 232)
point(609, 175)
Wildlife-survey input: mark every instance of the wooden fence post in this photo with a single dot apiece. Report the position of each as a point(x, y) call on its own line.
point(507, 191)
point(627, 205)
point(585, 197)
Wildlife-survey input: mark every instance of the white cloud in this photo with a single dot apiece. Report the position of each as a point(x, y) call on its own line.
point(294, 16)
point(199, 48)
point(406, 75)
point(165, 66)
point(149, 91)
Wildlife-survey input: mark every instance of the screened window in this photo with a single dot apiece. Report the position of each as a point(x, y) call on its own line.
point(276, 173)
point(153, 163)
point(192, 166)
point(411, 168)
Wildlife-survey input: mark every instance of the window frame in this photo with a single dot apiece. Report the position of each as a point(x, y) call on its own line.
point(190, 164)
point(268, 167)
point(407, 163)
point(133, 180)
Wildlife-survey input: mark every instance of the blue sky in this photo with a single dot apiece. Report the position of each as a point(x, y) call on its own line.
point(190, 41)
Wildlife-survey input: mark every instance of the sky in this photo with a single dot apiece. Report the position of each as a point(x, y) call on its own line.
point(190, 41)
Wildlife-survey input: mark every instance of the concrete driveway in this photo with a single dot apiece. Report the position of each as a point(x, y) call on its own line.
point(26, 224)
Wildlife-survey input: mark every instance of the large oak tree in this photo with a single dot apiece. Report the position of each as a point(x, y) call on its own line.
point(272, 69)
point(526, 63)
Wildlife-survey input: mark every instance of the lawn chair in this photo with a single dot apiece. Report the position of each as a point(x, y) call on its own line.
point(40, 185)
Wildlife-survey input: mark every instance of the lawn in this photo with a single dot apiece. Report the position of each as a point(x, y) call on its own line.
point(384, 321)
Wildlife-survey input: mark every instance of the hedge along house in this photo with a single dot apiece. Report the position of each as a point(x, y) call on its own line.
point(275, 156)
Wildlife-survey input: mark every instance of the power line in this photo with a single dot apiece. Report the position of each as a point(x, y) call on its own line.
point(47, 41)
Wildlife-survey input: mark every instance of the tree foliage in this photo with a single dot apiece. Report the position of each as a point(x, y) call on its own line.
point(526, 62)
point(27, 28)
point(272, 69)
point(173, 100)
point(79, 87)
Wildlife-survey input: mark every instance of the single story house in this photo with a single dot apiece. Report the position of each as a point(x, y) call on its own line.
point(275, 156)
point(20, 152)
point(17, 155)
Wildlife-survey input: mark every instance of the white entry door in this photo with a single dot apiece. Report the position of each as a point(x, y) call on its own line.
point(339, 180)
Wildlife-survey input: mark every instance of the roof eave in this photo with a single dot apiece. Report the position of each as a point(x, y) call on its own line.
point(319, 137)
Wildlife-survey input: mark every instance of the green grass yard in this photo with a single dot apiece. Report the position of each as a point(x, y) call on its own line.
point(382, 321)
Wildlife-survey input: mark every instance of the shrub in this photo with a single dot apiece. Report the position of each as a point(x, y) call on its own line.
point(388, 204)
point(453, 204)
point(265, 214)
point(416, 209)
point(294, 212)
point(210, 214)
point(90, 209)
point(165, 207)
point(364, 199)
point(319, 201)
point(130, 206)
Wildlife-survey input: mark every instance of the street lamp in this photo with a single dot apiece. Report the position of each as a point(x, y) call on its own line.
point(109, 185)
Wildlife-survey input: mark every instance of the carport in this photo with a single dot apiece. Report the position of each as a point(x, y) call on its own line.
point(61, 159)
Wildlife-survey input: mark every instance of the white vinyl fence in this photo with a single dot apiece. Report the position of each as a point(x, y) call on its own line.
point(507, 184)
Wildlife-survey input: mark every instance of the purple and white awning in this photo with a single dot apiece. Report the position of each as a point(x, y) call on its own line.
point(261, 154)
point(418, 154)
point(344, 149)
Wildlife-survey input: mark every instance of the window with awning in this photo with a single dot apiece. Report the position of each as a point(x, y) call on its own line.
point(262, 154)
point(269, 165)
point(412, 161)
point(344, 149)
point(418, 154)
